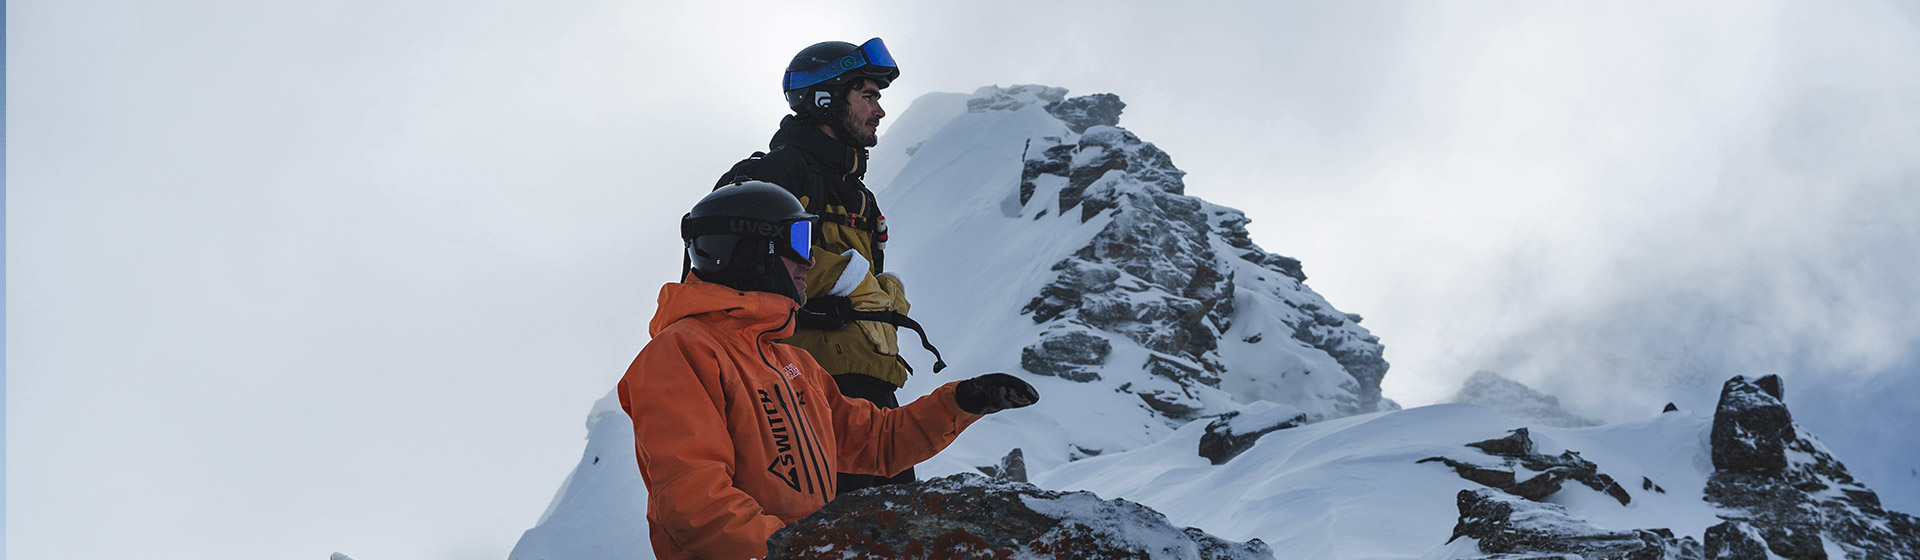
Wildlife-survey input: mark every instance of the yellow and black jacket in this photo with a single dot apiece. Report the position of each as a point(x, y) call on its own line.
point(848, 249)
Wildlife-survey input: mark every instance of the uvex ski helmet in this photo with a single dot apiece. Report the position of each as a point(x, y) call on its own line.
point(737, 235)
point(820, 73)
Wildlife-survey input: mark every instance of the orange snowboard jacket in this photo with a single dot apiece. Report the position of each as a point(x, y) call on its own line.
point(738, 436)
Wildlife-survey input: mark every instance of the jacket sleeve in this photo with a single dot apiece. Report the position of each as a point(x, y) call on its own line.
point(685, 450)
point(878, 441)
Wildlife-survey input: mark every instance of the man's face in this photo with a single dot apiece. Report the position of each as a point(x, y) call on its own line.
point(863, 114)
point(798, 270)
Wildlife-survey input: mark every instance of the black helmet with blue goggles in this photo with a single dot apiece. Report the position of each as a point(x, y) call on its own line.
point(739, 225)
point(791, 239)
point(836, 62)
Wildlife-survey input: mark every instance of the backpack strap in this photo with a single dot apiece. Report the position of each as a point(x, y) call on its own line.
point(833, 313)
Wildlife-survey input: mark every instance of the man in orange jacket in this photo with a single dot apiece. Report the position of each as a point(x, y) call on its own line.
point(737, 435)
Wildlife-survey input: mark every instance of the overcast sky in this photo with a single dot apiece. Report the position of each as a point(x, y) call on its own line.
point(289, 278)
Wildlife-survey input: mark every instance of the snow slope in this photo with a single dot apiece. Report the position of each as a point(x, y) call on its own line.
point(1351, 488)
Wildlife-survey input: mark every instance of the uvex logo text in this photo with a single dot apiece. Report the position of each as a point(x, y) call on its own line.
point(752, 227)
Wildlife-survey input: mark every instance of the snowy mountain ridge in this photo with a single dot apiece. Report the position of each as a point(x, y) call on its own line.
point(1185, 369)
point(1054, 242)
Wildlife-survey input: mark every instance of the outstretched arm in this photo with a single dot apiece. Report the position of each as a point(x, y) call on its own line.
point(886, 441)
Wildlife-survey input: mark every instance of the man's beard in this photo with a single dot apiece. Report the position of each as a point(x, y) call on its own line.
point(854, 136)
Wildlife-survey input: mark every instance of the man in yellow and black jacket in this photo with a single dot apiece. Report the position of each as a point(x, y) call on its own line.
point(820, 155)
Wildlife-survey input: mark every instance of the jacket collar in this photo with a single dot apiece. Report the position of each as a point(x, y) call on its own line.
point(749, 314)
point(836, 156)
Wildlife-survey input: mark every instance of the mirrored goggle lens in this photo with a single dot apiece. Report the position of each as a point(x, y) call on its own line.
point(876, 53)
point(800, 239)
point(872, 52)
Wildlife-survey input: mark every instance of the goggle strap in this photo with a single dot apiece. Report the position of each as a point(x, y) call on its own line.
point(728, 225)
point(798, 234)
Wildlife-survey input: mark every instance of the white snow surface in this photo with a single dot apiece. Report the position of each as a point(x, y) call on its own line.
point(972, 256)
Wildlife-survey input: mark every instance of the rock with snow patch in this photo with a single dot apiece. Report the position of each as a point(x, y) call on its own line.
point(1081, 113)
point(1492, 390)
point(1234, 432)
point(1165, 271)
point(1751, 428)
point(970, 516)
point(1776, 477)
point(1013, 467)
point(1508, 527)
point(1733, 540)
point(1516, 449)
point(1070, 354)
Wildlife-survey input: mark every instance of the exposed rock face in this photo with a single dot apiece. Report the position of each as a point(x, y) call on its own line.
point(1733, 540)
point(1013, 467)
point(1071, 354)
point(1508, 527)
point(969, 516)
point(1751, 428)
point(1491, 390)
point(1165, 269)
point(1789, 488)
point(1081, 113)
point(1517, 449)
point(1234, 432)
point(1150, 275)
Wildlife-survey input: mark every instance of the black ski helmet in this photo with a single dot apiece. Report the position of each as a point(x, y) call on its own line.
point(821, 72)
point(737, 235)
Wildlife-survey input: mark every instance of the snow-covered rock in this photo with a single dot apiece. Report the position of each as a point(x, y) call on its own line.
point(970, 516)
point(1776, 477)
point(1510, 527)
point(1165, 272)
point(1492, 390)
point(1037, 236)
point(1232, 433)
point(1547, 473)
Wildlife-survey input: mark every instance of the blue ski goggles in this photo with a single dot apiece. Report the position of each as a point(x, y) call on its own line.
point(871, 53)
point(790, 239)
point(799, 241)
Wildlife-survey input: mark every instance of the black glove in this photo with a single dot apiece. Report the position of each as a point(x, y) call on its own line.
point(994, 392)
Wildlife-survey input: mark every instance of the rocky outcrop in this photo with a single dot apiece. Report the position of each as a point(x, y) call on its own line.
point(1013, 467)
point(1150, 275)
point(1234, 432)
point(970, 516)
point(1789, 489)
point(1067, 353)
point(1492, 390)
point(1165, 269)
point(1517, 450)
point(1508, 527)
point(1087, 111)
point(1733, 540)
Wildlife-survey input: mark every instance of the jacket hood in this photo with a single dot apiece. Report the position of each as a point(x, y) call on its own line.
point(750, 313)
point(831, 153)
